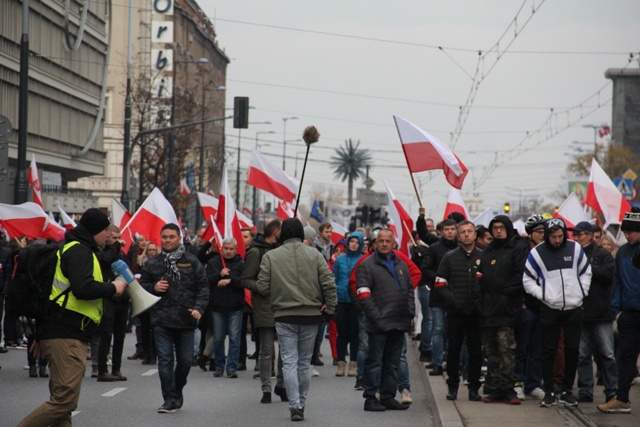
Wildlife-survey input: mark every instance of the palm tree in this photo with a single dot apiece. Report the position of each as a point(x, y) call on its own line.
point(350, 163)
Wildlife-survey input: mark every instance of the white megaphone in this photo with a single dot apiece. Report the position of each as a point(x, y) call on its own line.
point(141, 300)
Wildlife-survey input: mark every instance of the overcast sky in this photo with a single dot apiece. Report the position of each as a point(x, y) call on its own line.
point(347, 67)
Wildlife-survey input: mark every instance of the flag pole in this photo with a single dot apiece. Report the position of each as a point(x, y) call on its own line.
point(415, 188)
point(409, 231)
point(310, 136)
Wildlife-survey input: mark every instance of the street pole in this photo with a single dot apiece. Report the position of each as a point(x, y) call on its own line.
point(284, 139)
point(20, 191)
point(238, 172)
point(126, 143)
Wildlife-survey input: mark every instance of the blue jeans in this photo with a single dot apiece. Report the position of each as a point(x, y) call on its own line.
point(427, 321)
point(381, 366)
point(597, 338)
point(403, 368)
point(529, 351)
point(227, 324)
point(167, 341)
point(296, 347)
point(437, 335)
point(363, 346)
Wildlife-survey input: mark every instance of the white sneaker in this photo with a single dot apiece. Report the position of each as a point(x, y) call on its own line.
point(537, 393)
point(314, 372)
point(636, 381)
point(406, 397)
point(519, 391)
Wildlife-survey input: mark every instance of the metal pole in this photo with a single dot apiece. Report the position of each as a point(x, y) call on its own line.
point(284, 141)
point(20, 190)
point(201, 174)
point(238, 172)
point(126, 144)
point(169, 188)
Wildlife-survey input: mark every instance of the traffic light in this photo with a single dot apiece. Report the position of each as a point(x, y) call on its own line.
point(507, 208)
point(374, 215)
point(241, 112)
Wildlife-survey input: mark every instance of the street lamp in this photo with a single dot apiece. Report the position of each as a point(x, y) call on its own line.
point(169, 190)
point(284, 138)
point(262, 133)
point(595, 138)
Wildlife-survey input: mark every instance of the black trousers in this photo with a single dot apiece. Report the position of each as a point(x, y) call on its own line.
point(459, 327)
point(552, 322)
point(114, 323)
point(628, 351)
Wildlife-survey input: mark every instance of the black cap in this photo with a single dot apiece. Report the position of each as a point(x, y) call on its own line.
point(94, 220)
point(582, 226)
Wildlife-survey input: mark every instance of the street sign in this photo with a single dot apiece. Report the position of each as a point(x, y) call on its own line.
point(625, 185)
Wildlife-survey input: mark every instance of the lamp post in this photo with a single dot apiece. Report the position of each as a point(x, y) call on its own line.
point(595, 139)
point(284, 138)
point(169, 189)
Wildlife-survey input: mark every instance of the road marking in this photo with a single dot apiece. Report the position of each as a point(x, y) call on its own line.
point(113, 392)
point(149, 373)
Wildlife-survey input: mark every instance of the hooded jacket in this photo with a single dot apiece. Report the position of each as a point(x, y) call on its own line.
point(626, 292)
point(597, 305)
point(343, 267)
point(500, 277)
point(559, 277)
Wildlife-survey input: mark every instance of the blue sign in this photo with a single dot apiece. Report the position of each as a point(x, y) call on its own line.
point(625, 185)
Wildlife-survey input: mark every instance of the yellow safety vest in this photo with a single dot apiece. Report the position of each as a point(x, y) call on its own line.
point(90, 308)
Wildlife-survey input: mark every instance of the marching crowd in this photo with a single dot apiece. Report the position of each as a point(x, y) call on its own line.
point(532, 312)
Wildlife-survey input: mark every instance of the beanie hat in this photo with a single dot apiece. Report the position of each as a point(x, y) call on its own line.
point(309, 233)
point(631, 222)
point(291, 228)
point(94, 220)
point(456, 216)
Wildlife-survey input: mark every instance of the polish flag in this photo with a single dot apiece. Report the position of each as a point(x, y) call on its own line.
point(120, 216)
point(184, 187)
point(425, 152)
point(245, 221)
point(67, 222)
point(29, 219)
point(603, 130)
point(571, 211)
point(285, 211)
point(34, 181)
point(484, 218)
point(227, 216)
point(604, 197)
point(402, 221)
point(455, 204)
point(266, 176)
point(337, 232)
point(208, 204)
point(153, 214)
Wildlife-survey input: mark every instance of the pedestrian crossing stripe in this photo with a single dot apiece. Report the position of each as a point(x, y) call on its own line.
point(113, 392)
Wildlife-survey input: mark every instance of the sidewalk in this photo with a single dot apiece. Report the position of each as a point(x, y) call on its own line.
point(463, 413)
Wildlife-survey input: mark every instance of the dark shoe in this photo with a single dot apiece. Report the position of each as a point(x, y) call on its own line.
point(3, 350)
point(202, 362)
point(359, 385)
point(179, 402)
point(135, 356)
point(107, 378)
point(436, 371)
point(232, 374)
point(241, 367)
point(374, 406)
point(511, 397)
point(254, 356)
point(583, 398)
point(256, 376)
point(218, 374)
point(567, 399)
point(335, 361)
point(315, 361)
point(42, 372)
point(168, 407)
point(266, 397)
point(417, 337)
point(119, 376)
point(394, 405)
point(257, 367)
point(297, 414)
point(282, 392)
point(149, 361)
point(33, 372)
point(453, 393)
point(496, 396)
point(94, 372)
point(212, 365)
point(474, 396)
point(425, 356)
point(549, 400)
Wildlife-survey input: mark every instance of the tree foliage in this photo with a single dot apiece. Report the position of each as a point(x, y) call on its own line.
point(350, 163)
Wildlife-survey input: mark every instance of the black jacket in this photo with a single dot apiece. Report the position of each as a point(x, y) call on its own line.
point(418, 253)
point(430, 264)
point(424, 233)
point(107, 256)
point(225, 299)
point(455, 283)
point(597, 304)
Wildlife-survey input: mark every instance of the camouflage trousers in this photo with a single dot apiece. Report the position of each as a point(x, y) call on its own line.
point(499, 346)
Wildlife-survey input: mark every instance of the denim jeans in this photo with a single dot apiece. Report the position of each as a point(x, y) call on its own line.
point(403, 368)
point(296, 347)
point(265, 357)
point(227, 324)
point(597, 338)
point(381, 366)
point(363, 346)
point(529, 351)
point(427, 321)
point(437, 334)
point(167, 341)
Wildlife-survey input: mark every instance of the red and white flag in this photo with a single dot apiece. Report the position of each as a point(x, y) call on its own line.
point(571, 211)
point(227, 217)
point(337, 232)
point(34, 181)
point(153, 214)
point(425, 152)
point(29, 219)
point(245, 221)
point(402, 220)
point(67, 222)
point(285, 211)
point(184, 187)
point(455, 204)
point(208, 204)
point(120, 216)
point(604, 197)
point(266, 176)
point(603, 130)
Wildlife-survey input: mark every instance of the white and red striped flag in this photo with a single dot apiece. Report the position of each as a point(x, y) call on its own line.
point(425, 152)
point(285, 211)
point(266, 176)
point(67, 222)
point(184, 187)
point(208, 204)
point(227, 217)
point(120, 216)
point(29, 219)
point(455, 203)
point(604, 197)
point(402, 221)
point(34, 181)
point(337, 232)
point(571, 211)
point(245, 221)
point(153, 214)
point(603, 130)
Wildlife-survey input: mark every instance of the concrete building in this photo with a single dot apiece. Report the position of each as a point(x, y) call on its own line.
point(625, 122)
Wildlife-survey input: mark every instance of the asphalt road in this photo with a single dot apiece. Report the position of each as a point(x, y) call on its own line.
point(209, 401)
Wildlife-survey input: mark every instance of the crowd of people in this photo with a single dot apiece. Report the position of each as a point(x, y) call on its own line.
point(525, 315)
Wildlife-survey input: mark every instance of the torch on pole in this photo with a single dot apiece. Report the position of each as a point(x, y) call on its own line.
point(310, 136)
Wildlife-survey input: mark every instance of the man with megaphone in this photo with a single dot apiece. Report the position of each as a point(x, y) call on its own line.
point(180, 280)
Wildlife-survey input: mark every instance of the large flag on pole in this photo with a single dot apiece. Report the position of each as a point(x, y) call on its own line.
point(67, 222)
point(266, 176)
point(120, 216)
point(604, 197)
point(455, 204)
point(227, 217)
point(425, 152)
point(153, 214)
point(402, 220)
point(34, 181)
point(29, 219)
point(208, 204)
point(571, 211)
